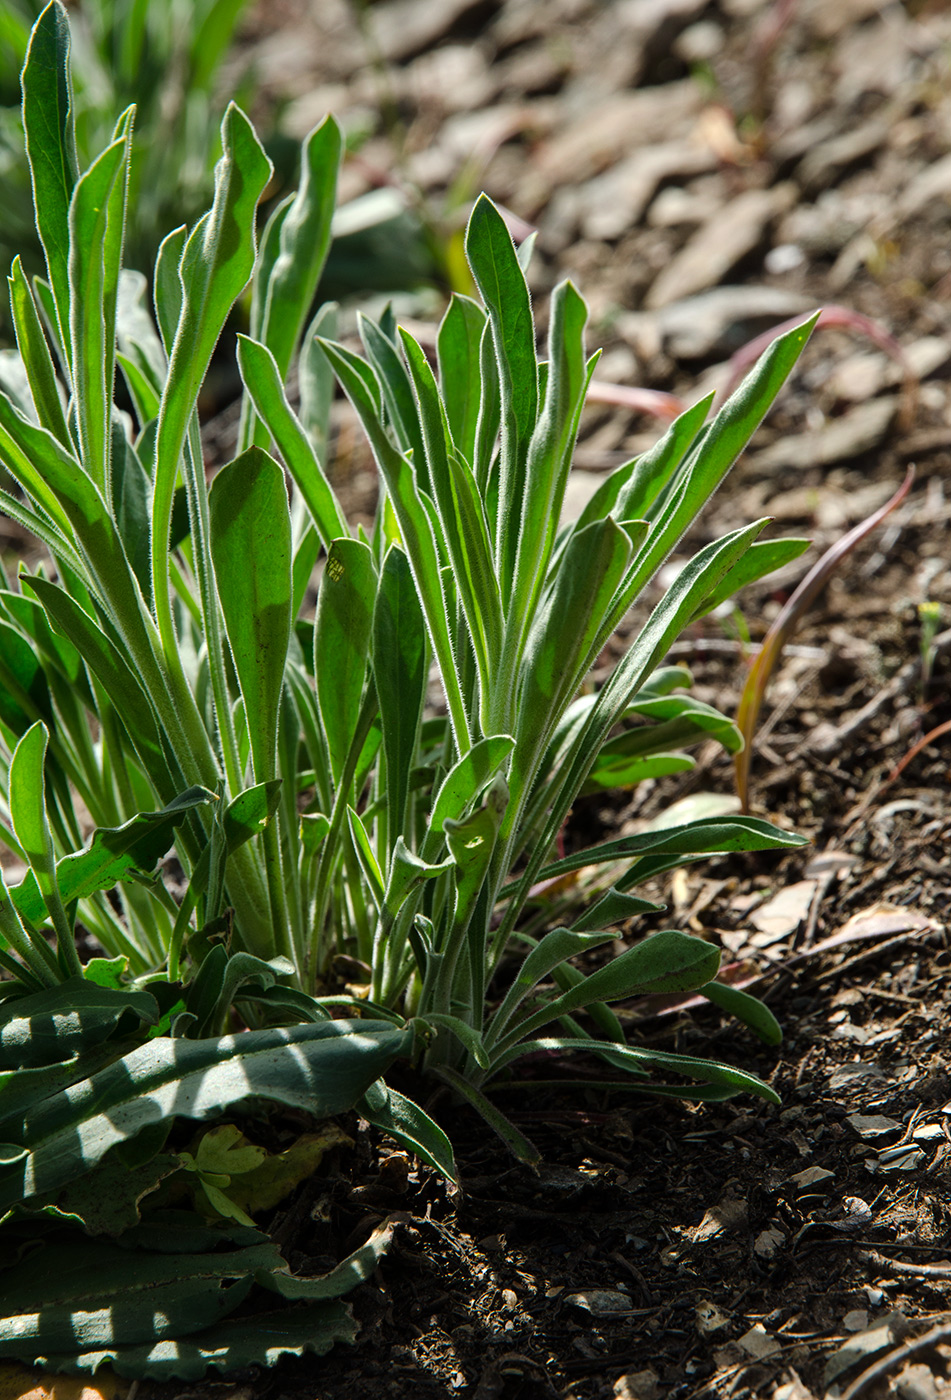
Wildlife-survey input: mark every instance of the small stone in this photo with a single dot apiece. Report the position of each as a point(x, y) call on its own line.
point(720, 244)
point(823, 164)
point(599, 1302)
point(717, 322)
point(917, 1381)
point(929, 1132)
point(638, 1385)
point(785, 257)
point(758, 1343)
point(730, 1213)
point(710, 1319)
point(615, 201)
point(768, 1243)
point(839, 439)
point(872, 1125)
point(812, 1179)
point(407, 27)
point(856, 1320)
point(581, 149)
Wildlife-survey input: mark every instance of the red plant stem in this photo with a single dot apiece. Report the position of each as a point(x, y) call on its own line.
point(913, 752)
point(653, 401)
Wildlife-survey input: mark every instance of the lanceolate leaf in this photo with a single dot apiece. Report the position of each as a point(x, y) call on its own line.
point(502, 284)
point(251, 548)
point(96, 224)
point(304, 243)
point(36, 357)
point(633, 487)
point(549, 455)
point(750, 1010)
point(342, 643)
point(707, 835)
point(463, 783)
point(725, 1078)
point(216, 263)
point(397, 396)
point(418, 538)
point(399, 669)
point(763, 557)
point(54, 478)
point(27, 794)
point(463, 526)
point(405, 1121)
point(668, 961)
point(458, 342)
point(118, 680)
point(558, 651)
point(550, 952)
point(24, 689)
point(261, 376)
point(51, 145)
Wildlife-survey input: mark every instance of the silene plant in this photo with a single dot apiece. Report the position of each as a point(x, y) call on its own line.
point(162, 685)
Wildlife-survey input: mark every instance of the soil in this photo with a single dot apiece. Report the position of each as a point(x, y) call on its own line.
point(666, 149)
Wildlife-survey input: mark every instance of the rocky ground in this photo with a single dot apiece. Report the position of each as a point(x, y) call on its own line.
point(703, 169)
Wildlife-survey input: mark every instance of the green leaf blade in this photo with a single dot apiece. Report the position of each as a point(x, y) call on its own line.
point(251, 549)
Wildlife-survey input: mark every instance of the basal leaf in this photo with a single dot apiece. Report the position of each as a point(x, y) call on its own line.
point(321, 1068)
point(303, 244)
point(410, 1125)
point(748, 1009)
point(50, 1027)
point(48, 121)
point(251, 549)
point(400, 673)
point(261, 375)
point(342, 643)
point(668, 961)
point(504, 291)
point(232, 1345)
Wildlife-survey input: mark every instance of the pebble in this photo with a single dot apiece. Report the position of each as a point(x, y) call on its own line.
point(716, 248)
point(616, 200)
point(600, 1302)
point(715, 323)
point(583, 148)
point(858, 431)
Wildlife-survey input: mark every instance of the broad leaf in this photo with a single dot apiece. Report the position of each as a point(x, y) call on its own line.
point(50, 1027)
point(321, 1068)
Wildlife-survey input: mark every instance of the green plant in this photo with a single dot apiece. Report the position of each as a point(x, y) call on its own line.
point(157, 674)
point(162, 55)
